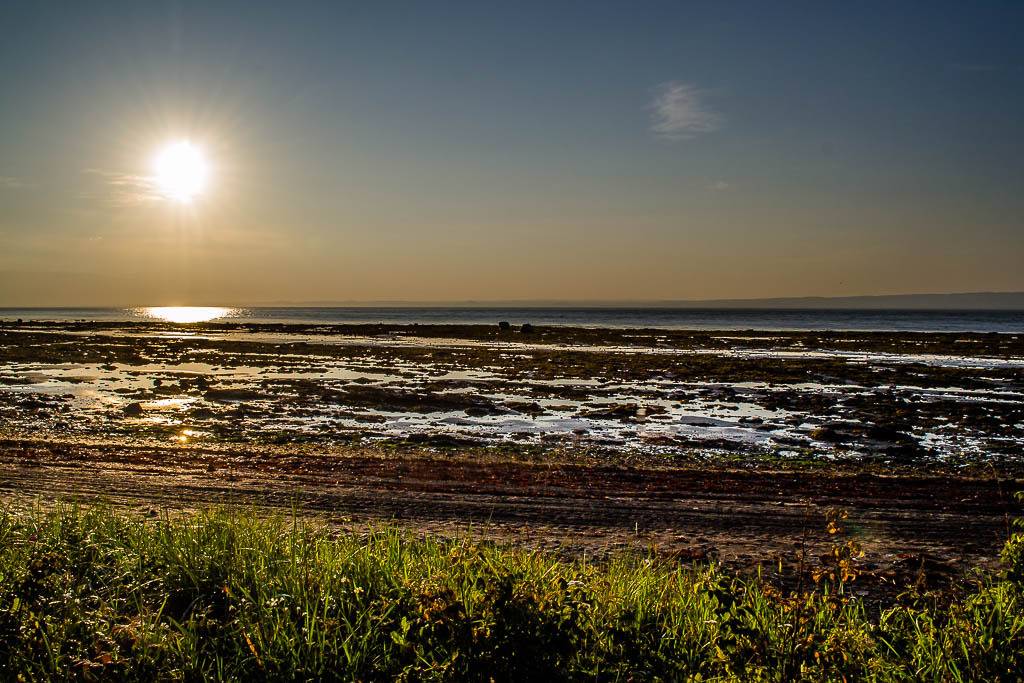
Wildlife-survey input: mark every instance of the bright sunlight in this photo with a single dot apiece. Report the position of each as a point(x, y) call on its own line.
point(187, 314)
point(181, 172)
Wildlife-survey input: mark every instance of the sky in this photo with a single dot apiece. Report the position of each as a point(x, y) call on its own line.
point(510, 151)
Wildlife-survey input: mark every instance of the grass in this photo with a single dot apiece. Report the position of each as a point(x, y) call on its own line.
point(95, 594)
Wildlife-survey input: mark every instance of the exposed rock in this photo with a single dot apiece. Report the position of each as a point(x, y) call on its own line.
point(621, 411)
point(530, 408)
point(17, 380)
point(441, 440)
point(232, 395)
point(400, 400)
point(829, 434)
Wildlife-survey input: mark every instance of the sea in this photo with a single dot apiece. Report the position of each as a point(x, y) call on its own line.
point(888, 320)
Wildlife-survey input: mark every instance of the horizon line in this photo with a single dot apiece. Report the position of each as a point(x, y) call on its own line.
point(929, 299)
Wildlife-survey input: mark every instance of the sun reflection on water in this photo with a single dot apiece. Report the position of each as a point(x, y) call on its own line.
point(188, 314)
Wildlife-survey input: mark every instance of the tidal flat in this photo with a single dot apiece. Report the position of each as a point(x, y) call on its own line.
point(706, 445)
point(894, 399)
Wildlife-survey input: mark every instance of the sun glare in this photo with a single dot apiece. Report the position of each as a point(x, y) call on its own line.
point(181, 172)
point(187, 314)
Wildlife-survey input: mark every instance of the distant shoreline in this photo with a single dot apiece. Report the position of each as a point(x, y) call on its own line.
point(962, 301)
point(314, 320)
point(929, 301)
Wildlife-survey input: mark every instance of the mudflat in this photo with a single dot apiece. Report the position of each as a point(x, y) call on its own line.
point(728, 445)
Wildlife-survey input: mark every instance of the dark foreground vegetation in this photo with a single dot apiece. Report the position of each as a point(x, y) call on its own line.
point(95, 594)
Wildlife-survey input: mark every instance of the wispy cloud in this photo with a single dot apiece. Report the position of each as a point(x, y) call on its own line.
point(9, 182)
point(678, 112)
point(720, 186)
point(122, 189)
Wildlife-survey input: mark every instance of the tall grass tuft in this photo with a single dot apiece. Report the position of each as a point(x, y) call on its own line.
point(94, 594)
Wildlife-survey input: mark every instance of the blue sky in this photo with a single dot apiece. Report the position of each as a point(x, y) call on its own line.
point(511, 150)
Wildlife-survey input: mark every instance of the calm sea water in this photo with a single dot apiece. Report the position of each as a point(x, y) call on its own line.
point(669, 318)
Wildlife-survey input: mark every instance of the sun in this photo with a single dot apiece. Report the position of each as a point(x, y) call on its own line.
point(180, 171)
